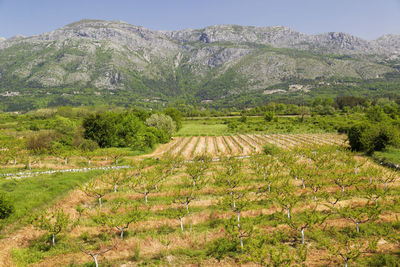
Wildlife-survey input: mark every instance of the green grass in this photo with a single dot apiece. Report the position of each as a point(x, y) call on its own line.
point(390, 154)
point(282, 125)
point(30, 194)
point(202, 128)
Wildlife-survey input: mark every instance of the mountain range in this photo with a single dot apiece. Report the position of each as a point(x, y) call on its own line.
point(113, 62)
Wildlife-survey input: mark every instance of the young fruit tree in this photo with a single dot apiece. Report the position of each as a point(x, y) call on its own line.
point(96, 250)
point(54, 223)
point(120, 220)
point(346, 247)
point(332, 198)
point(185, 195)
point(95, 189)
point(171, 162)
point(346, 179)
point(239, 231)
point(116, 154)
point(147, 182)
point(197, 169)
point(177, 212)
point(266, 169)
point(115, 179)
point(286, 197)
point(306, 219)
point(360, 214)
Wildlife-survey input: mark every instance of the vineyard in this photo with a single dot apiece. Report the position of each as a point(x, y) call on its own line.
point(242, 144)
point(313, 203)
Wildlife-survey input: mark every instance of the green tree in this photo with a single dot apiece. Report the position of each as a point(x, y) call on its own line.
point(53, 223)
point(176, 115)
point(162, 122)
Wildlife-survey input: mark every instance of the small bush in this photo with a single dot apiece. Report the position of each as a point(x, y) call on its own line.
point(41, 142)
point(383, 260)
point(270, 149)
point(6, 208)
point(269, 116)
point(222, 247)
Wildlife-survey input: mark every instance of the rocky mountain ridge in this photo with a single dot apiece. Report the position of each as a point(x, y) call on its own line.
point(96, 57)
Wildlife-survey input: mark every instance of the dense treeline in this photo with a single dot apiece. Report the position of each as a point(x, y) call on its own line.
point(127, 129)
point(65, 131)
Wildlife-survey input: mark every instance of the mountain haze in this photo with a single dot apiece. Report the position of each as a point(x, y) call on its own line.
point(93, 59)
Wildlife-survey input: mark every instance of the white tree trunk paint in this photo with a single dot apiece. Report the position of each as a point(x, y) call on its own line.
point(95, 260)
point(302, 236)
point(100, 201)
point(53, 240)
point(180, 220)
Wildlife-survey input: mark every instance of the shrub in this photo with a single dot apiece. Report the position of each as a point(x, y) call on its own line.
point(41, 142)
point(372, 137)
point(354, 136)
point(222, 247)
point(6, 208)
point(269, 116)
point(270, 149)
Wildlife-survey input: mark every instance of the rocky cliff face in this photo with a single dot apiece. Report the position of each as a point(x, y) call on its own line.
point(114, 55)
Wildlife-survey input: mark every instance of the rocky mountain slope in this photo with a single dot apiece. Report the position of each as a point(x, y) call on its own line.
point(108, 58)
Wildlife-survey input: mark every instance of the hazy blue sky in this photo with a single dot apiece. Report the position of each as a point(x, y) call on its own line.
point(365, 18)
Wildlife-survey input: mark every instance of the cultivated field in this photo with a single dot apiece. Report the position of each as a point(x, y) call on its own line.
point(304, 206)
point(242, 144)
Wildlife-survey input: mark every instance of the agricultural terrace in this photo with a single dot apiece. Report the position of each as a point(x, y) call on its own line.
point(317, 205)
